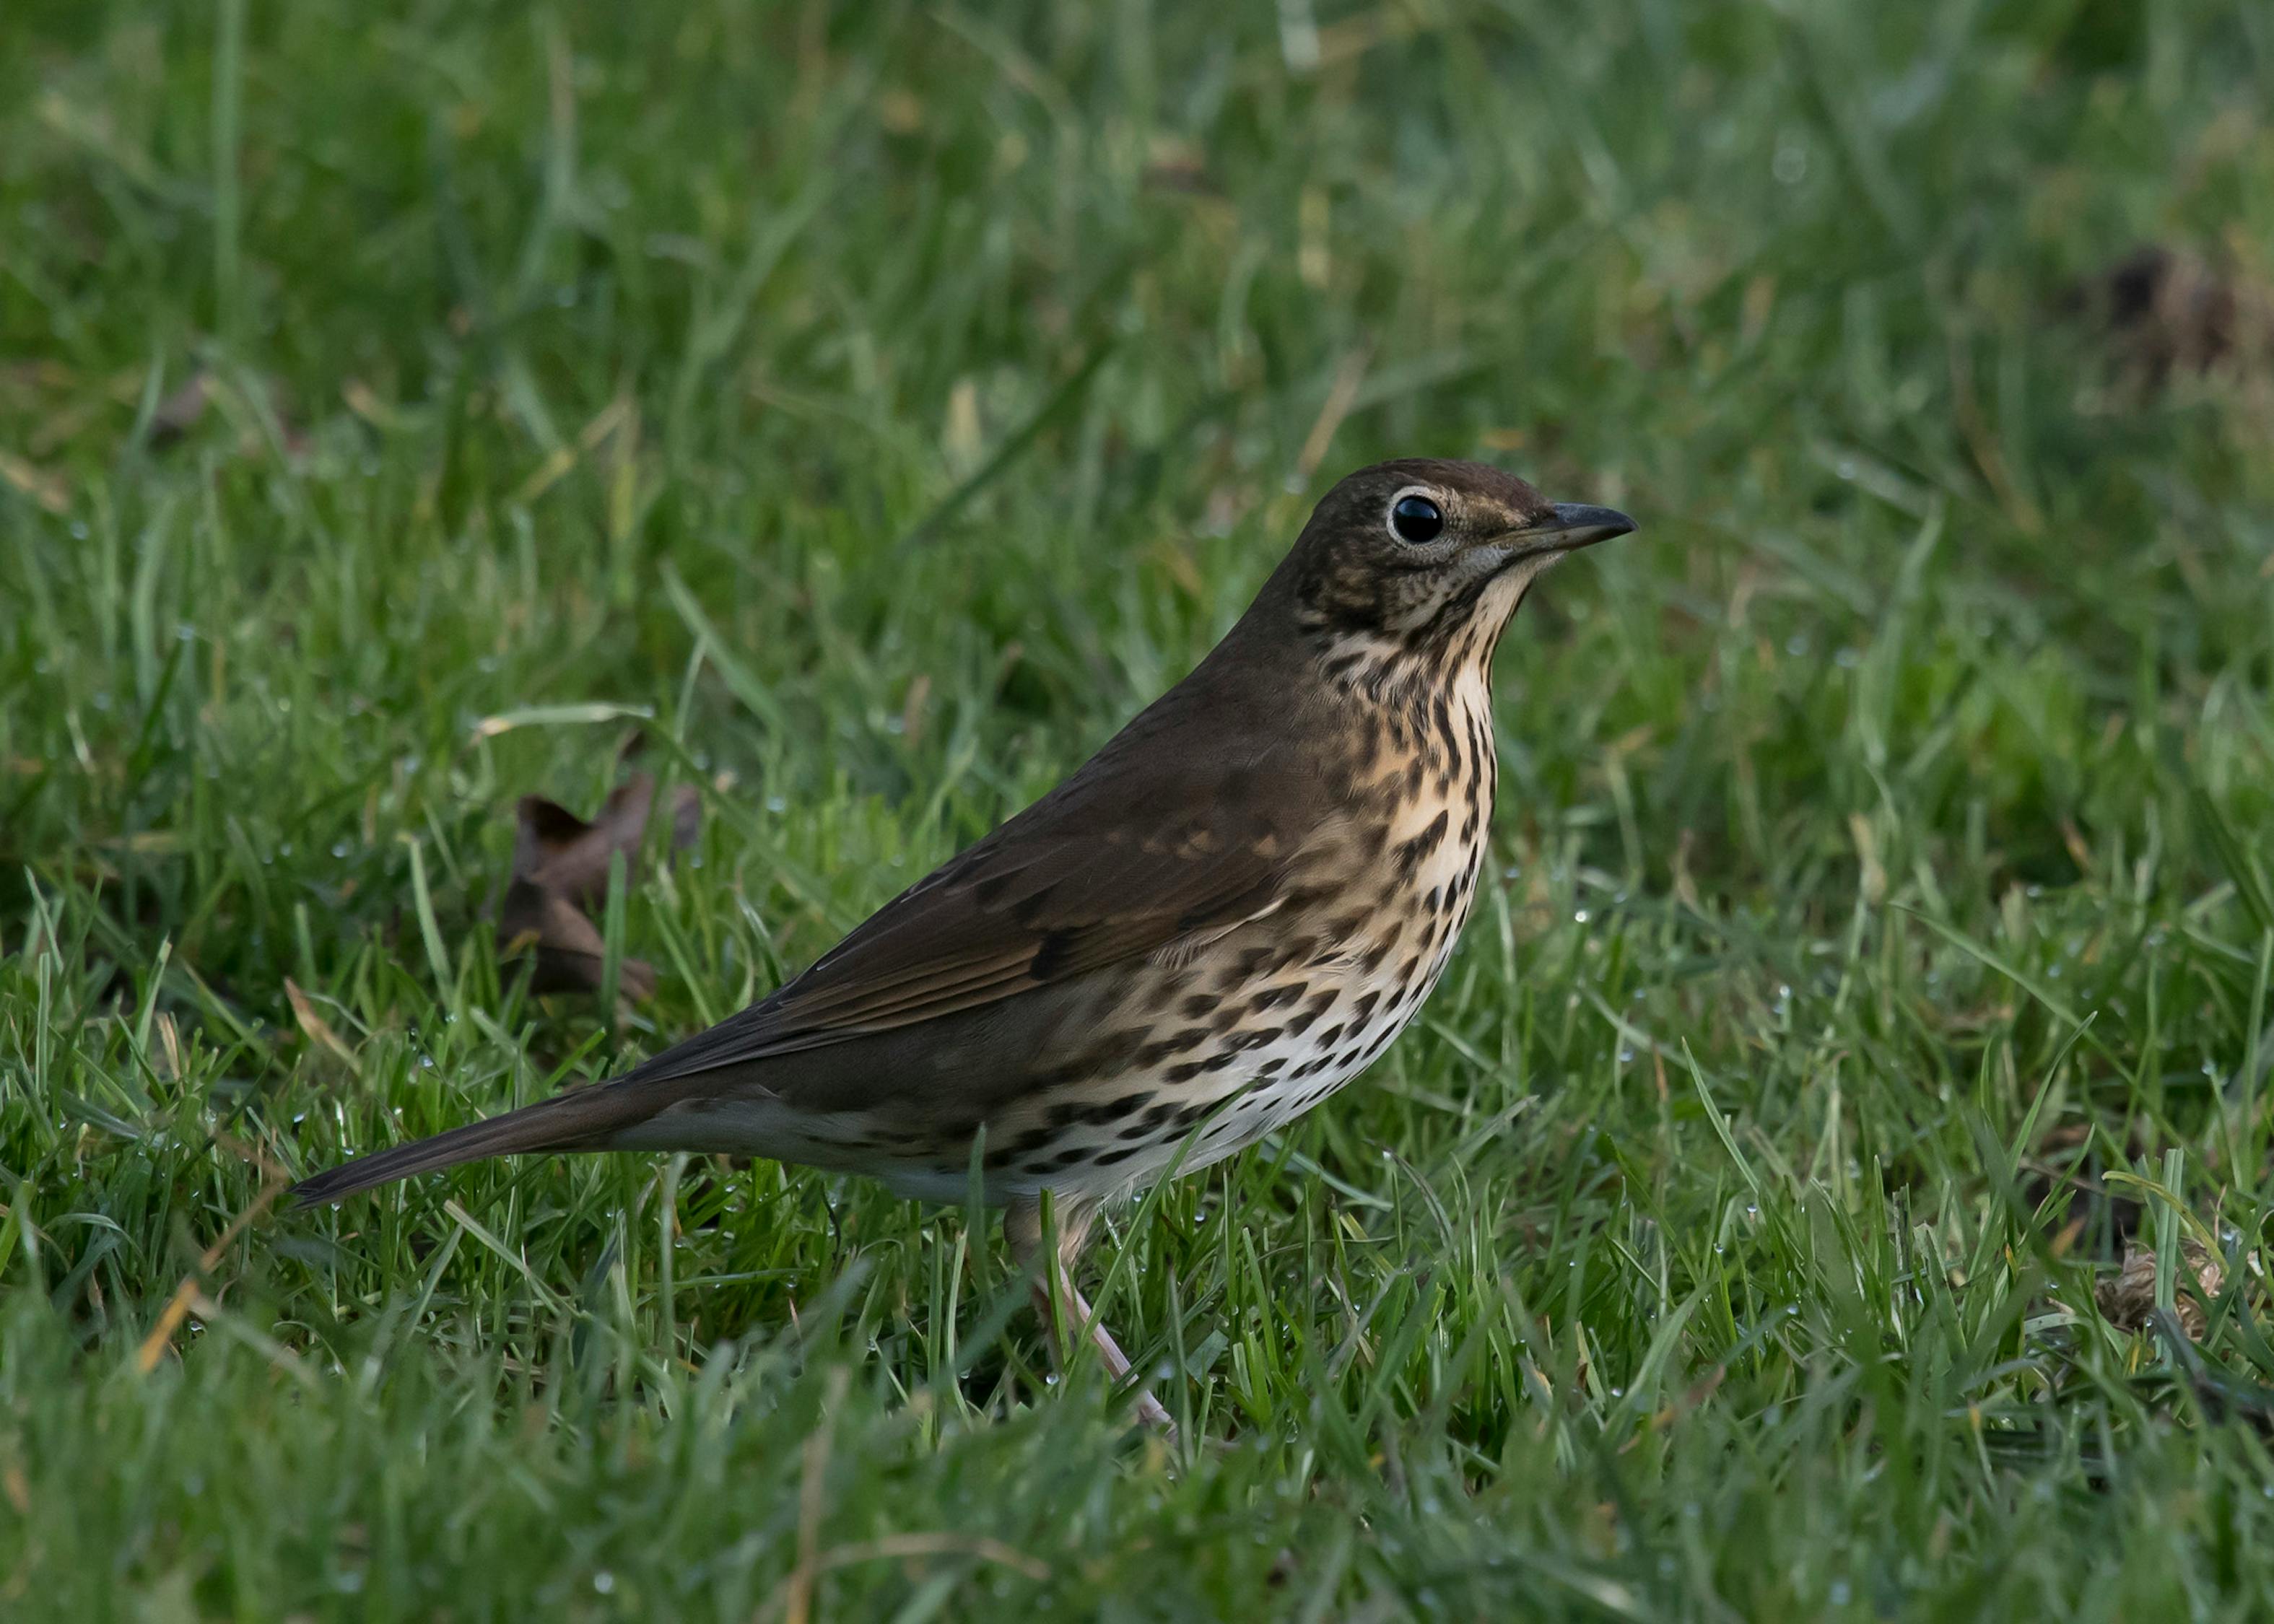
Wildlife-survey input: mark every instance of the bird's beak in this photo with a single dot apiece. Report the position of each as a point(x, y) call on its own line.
point(1574, 525)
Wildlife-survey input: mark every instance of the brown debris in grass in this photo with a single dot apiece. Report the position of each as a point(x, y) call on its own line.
point(2127, 1298)
point(2170, 310)
point(561, 865)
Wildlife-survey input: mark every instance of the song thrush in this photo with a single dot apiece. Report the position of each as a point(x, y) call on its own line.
point(1219, 921)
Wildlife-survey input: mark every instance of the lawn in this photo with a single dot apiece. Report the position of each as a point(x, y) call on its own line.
point(860, 412)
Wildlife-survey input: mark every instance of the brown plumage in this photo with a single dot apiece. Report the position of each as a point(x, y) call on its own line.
point(1222, 917)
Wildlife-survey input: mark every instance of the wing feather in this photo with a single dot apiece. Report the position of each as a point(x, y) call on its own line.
point(1108, 868)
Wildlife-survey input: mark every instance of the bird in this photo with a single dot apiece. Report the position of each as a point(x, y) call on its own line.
point(1223, 917)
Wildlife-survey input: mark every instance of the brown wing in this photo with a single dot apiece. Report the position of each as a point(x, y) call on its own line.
point(1124, 860)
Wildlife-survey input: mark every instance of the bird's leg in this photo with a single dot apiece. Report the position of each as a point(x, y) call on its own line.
point(1056, 1298)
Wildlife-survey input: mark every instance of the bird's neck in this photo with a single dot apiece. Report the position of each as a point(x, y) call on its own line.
point(1410, 669)
point(1419, 715)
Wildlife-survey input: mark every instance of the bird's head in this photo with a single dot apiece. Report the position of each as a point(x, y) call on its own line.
point(1427, 555)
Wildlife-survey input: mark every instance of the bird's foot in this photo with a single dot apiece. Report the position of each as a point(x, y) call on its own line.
point(1150, 1410)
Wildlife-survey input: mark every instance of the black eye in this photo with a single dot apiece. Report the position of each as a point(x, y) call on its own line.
point(1417, 519)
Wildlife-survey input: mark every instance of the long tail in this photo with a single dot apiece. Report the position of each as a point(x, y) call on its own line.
point(581, 1119)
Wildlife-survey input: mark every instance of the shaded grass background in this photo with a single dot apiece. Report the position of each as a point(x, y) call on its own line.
point(872, 408)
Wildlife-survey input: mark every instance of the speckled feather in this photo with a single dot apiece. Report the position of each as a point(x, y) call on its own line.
point(1226, 914)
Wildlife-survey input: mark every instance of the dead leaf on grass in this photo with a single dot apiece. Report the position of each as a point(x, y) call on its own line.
point(2173, 310)
point(2127, 1298)
point(561, 865)
point(563, 852)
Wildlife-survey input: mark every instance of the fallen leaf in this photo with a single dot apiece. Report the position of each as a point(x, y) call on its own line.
point(561, 865)
point(571, 953)
point(2127, 1298)
point(2170, 310)
point(560, 852)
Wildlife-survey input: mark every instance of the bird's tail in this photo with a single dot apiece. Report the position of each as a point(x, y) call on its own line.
point(581, 1119)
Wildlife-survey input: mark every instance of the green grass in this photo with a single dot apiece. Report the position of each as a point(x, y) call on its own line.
point(876, 406)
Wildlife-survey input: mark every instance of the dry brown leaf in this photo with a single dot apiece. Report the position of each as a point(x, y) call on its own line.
point(560, 852)
point(2127, 1298)
point(571, 953)
point(561, 865)
point(2171, 311)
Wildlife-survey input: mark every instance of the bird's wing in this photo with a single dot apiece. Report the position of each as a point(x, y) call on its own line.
point(1116, 864)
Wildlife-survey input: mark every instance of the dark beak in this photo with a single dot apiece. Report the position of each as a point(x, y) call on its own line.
point(1576, 525)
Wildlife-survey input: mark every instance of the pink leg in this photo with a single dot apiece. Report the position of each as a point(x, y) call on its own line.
point(1022, 1227)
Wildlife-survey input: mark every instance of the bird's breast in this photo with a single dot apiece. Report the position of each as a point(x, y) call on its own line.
point(1182, 1059)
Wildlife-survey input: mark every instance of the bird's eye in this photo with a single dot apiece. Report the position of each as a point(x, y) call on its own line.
point(1416, 519)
